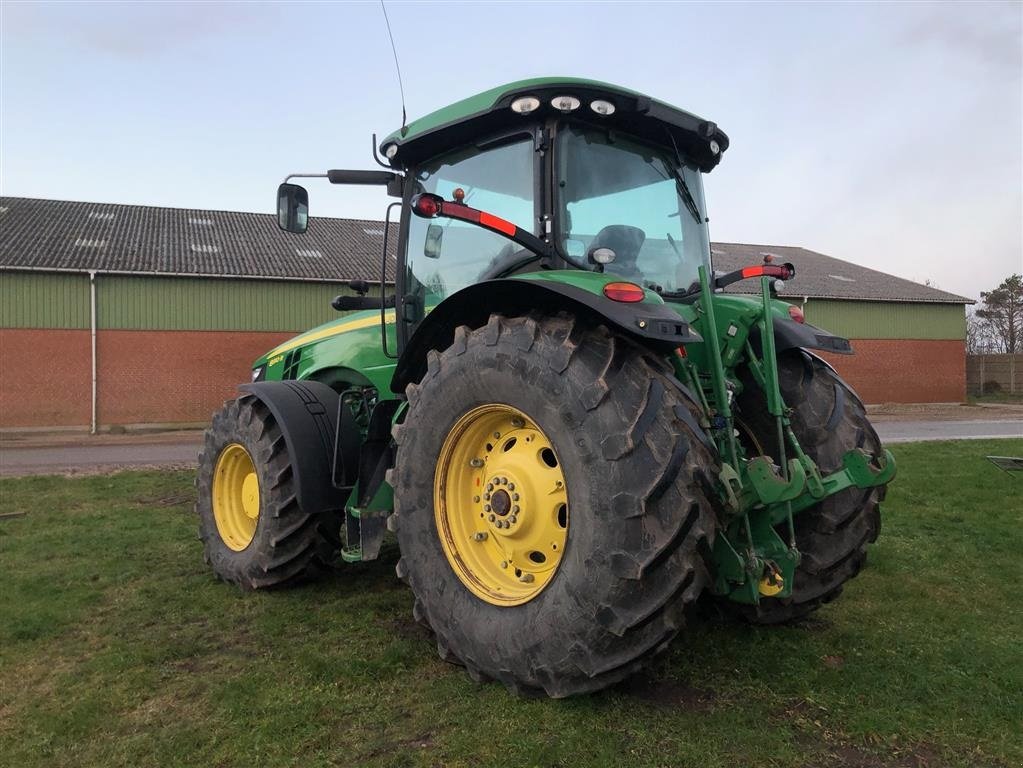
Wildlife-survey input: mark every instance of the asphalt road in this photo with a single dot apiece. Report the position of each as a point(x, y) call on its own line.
point(82, 454)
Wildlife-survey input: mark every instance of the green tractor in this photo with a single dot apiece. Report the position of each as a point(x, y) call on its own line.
point(572, 430)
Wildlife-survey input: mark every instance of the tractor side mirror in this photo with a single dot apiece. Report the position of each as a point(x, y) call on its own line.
point(434, 239)
point(292, 208)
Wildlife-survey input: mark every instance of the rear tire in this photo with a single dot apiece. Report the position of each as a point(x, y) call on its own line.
point(828, 419)
point(283, 545)
point(639, 523)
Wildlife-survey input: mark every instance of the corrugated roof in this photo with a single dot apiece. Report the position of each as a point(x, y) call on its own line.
point(824, 277)
point(60, 234)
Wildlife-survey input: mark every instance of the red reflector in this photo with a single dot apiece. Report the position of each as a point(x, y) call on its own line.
point(493, 222)
point(427, 205)
point(627, 292)
point(682, 352)
point(752, 272)
point(796, 313)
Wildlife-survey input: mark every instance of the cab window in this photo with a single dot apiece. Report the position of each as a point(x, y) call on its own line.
point(445, 255)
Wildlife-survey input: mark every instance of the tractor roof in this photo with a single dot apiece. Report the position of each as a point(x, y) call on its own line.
point(469, 119)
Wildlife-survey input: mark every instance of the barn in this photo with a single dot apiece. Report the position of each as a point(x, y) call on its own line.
point(124, 315)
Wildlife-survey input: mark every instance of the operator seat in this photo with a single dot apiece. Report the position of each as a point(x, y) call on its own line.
point(626, 241)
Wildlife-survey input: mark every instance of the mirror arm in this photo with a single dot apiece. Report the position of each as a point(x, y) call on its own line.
point(337, 176)
point(394, 181)
point(303, 176)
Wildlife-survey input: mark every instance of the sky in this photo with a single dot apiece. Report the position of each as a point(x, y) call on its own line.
point(889, 134)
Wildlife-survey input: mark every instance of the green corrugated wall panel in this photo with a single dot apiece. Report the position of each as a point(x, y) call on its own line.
point(43, 300)
point(887, 320)
point(214, 304)
point(55, 300)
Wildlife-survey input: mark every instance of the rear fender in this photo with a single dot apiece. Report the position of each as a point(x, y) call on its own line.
point(656, 326)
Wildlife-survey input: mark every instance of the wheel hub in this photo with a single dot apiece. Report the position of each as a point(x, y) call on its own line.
point(501, 505)
point(501, 502)
point(235, 496)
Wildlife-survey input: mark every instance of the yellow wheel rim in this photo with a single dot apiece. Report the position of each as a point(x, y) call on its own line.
point(501, 505)
point(235, 497)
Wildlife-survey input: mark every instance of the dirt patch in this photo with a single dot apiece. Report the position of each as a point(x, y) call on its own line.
point(69, 439)
point(173, 500)
point(851, 756)
point(668, 693)
point(402, 746)
point(944, 412)
point(92, 471)
point(405, 628)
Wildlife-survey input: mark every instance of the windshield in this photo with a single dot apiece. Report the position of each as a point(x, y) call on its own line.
point(635, 200)
point(445, 255)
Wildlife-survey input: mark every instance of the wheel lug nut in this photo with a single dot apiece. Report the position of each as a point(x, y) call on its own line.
point(477, 463)
point(486, 507)
point(475, 499)
point(504, 563)
point(511, 486)
point(515, 497)
point(526, 578)
point(492, 518)
point(490, 487)
point(515, 509)
point(486, 497)
point(513, 519)
point(479, 536)
point(497, 435)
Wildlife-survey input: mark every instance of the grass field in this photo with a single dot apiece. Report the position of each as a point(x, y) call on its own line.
point(117, 647)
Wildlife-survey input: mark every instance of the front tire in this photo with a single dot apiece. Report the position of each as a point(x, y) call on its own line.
point(828, 419)
point(254, 533)
point(608, 560)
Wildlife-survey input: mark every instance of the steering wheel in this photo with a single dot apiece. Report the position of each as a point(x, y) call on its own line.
point(506, 260)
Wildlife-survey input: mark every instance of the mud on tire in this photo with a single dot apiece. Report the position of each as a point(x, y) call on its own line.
point(638, 471)
point(828, 420)
point(288, 545)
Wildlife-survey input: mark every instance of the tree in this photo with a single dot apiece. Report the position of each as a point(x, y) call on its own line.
point(1001, 311)
point(978, 335)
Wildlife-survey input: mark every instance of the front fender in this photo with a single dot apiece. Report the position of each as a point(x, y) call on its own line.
point(789, 334)
point(306, 413)
point(654, 325)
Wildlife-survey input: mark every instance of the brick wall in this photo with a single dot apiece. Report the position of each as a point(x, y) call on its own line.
point(905, 370)
point(173, 376)
point(45, 378)
point(183, 376)
point(144, 376)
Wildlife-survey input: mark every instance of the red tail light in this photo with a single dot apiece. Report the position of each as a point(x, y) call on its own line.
point(629, 293)
point(426, 205)
point(796, 313)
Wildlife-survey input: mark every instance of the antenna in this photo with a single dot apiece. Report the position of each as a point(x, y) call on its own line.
point(397, 67)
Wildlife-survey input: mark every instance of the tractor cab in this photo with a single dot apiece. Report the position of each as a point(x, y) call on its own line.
point(540, 175)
